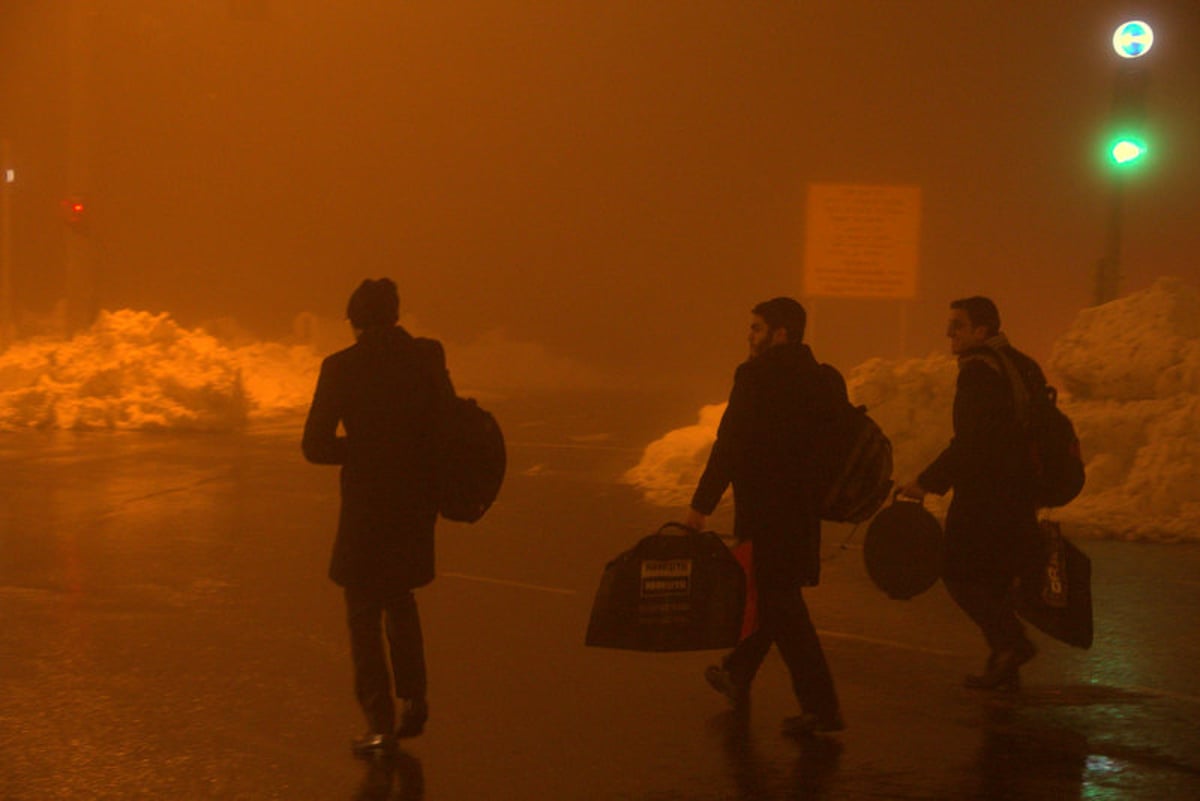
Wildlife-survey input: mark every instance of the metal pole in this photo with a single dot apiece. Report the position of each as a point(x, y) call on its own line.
point(7, 328)
point(80, 287)
point(1108, 269)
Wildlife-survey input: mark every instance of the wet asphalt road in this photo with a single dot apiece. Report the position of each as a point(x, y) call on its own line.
point(167, 632)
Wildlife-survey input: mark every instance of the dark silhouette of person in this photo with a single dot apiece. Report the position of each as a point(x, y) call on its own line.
point(991, 524)
point(767, 447)
point(385, 391)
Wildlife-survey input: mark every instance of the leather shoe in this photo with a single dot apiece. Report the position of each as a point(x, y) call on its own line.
point(372, 744)
point(1003, 669)
point(412, 722)
point(723, 682)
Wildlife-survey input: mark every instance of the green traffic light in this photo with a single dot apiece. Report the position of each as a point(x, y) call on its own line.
point(1127, 151)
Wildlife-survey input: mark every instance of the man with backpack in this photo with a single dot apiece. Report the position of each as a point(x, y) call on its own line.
point(386, 391)
point(766, 447)
point(991, 525)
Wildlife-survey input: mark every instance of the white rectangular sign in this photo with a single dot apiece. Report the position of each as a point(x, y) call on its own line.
point(861, 241)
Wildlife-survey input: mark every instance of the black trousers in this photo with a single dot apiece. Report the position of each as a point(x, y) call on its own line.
point(783, 620)
point(990, 603)
point(372, 619)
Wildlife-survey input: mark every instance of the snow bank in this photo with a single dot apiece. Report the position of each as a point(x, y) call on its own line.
point(1132, 371)
point(671, 466)
point(1129, 372)
point(137, 370)
point(134, 370)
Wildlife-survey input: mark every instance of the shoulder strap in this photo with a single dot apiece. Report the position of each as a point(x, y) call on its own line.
point(1020, 389)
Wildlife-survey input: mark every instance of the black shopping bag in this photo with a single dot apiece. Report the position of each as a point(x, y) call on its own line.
point(676, 590)
point(1055, 593)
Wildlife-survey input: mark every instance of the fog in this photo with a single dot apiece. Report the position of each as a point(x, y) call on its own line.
point(614, 184)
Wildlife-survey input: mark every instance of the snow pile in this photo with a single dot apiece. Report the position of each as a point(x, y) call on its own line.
point(1142, 347)
point(671, 466)
point(137, 370)
point(1132, 368)
point(1129, 372)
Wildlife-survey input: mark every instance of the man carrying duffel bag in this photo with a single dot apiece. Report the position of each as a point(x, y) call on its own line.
point(767, 448)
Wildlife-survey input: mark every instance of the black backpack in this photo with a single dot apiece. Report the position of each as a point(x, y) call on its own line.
point(1055, 461)
point(856, 465)
point(469, 460)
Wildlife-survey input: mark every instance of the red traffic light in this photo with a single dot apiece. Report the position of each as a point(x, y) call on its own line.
point(74, 210)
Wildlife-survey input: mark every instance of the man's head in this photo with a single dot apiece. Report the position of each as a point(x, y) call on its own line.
point(375, 304)
point(775, 322)
point(973, 321)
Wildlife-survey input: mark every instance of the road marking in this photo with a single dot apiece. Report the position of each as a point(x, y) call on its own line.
point(507, 583)
point(838, 635)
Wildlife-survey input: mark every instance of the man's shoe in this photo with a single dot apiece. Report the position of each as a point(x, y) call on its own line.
point(412, 722)
point(723, 682)
point(809, 724)
point(1003, 669)
point(372, 744)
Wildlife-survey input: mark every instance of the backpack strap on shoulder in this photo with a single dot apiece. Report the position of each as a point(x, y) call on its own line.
point(1020, 389)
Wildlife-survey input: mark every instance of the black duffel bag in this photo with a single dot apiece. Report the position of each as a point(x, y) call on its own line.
point(903, 549)
point(677, 590)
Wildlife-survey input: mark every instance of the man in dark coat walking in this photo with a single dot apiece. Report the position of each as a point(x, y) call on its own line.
point(384, 391)
point(992, 521)
point(767, 447)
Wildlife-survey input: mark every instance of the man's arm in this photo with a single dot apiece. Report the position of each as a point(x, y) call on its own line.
point(321, 444)
point(982, 402)
point(718, 472)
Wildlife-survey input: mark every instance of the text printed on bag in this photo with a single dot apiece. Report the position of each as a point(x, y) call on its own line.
point(666, 577)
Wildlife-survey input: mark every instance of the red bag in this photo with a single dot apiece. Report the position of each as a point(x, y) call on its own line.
point(744, 553)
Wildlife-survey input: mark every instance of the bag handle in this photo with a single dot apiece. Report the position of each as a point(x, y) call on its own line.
point(677, 528)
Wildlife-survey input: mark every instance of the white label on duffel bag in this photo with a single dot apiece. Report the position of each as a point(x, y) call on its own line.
point(666, 577)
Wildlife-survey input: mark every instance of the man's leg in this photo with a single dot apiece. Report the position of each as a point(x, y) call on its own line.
point(406, 645)
point(987, 600)
point(747, 656)
point(785, 616)
point(732, 678)
point(408, 661)
point(372, 685)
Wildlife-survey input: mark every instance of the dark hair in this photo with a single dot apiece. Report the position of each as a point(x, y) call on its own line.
point(784, 313)
point(980, 311)
point(375, 304)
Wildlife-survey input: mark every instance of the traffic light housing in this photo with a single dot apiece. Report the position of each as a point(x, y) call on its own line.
point(1128, 145)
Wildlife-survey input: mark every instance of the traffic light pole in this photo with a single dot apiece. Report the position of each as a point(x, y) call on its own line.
point(1131, 41)
point(7, 328)
point(1108, 269)
point(79, 280)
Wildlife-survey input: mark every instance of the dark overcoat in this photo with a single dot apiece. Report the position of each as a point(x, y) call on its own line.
point(767, 448)
point(992, 516)
point(384, 391)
